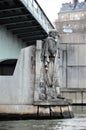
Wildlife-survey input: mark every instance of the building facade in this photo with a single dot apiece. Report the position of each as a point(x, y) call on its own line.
point(71, 24)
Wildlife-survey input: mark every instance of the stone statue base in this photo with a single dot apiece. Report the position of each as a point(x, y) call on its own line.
point(51, 109)
point(58, 102)
point(57, 108)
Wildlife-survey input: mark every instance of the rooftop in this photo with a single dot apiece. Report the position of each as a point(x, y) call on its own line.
point(69, 7)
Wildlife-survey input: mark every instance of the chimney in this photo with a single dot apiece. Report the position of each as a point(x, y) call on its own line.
point(75, 1)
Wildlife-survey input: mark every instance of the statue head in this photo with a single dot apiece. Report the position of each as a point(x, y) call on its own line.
point(53, 33)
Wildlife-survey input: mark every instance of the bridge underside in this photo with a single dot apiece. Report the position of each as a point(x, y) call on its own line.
point(16, 18)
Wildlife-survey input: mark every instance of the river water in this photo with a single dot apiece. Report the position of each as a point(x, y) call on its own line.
point(76, 123)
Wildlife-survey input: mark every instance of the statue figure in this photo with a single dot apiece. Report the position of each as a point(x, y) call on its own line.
point(49, 55)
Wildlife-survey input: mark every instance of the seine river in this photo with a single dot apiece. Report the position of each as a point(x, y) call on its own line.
point(76, 123)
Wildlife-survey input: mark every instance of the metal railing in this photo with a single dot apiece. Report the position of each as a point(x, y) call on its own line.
point(38, 13)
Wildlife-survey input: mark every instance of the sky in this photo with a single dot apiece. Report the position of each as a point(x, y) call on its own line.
point(52, 7)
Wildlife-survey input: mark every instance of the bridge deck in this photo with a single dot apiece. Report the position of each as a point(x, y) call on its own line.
point(25, 19)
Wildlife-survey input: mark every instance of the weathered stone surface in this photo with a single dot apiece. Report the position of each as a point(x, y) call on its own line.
point(78, 38)
point(78, 96)
point(18, 89)
point(83, 97)
point(43, 111)
point(58, 102)
point(55, 112)
point(18, 109)
point(65, 112)
point(47, 68)
point(71, 111)
point(34, 112)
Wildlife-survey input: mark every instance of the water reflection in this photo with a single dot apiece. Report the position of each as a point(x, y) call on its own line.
point(76, 123)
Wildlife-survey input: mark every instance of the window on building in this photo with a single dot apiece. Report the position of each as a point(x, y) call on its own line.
point(62, 17)
point(7, 67)
point(77, 17)
point(82, 14)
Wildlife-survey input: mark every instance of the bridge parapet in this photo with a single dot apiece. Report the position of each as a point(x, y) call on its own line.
point(38, 13)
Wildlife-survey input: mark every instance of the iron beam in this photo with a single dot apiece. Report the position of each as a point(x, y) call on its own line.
point(22, 28)
point(19, 22)
point(33, 37)
point(30, 34)
point(18, 26)
point(25, 30)
point(15, 16)
point(10, 9)
point(13, 21)
point(30, 42)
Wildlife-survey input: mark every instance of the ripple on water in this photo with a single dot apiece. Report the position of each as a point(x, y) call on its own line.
point(77, 123)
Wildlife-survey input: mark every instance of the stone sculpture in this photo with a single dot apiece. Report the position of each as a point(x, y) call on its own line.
point(49, 57)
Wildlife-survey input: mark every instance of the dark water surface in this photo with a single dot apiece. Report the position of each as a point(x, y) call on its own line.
point(76, 123)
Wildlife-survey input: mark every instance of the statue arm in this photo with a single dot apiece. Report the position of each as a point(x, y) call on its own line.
point(44, 51)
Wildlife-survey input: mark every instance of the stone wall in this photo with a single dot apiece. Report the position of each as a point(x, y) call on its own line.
point(18, 89)
point(78, 96)
point(74, 67)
